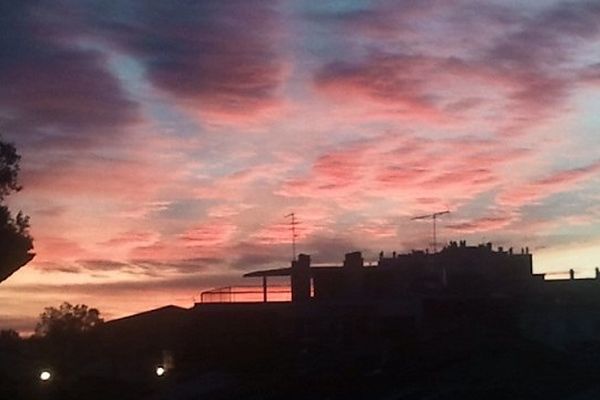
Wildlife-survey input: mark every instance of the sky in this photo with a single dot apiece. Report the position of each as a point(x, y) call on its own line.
point(164, 143)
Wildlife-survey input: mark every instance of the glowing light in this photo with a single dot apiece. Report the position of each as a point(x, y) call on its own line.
point(160, 370)
point(45, 376)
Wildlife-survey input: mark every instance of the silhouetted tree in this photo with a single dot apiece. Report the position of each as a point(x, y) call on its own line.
point(67, 320)
point(15, 241)
point(9, 336)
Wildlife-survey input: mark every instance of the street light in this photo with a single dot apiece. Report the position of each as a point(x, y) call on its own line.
point(45, 375)
point(160, 370)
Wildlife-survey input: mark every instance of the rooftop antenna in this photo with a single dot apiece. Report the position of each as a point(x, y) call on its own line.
point(434, 218)
point(293, 224)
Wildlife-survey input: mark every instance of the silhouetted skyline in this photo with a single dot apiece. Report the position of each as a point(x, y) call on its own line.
point(164, 143)
point(472, 319)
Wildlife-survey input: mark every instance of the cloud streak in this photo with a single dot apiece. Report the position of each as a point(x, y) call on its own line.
point(558, 182)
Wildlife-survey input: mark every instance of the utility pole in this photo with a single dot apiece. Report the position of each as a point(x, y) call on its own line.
point(434, 218)
point(293, 224)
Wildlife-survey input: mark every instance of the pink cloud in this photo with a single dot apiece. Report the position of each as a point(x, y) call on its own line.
point(482, 224)
point(533, 192)
point(210, 234)
point(413, 170)
point(131, 238)
point(56, 248)
point(396, 82)
point(280, 232)
point(501, 68)
point(209, 239)
point(419, 87)
point(236, 182)
point(96, 177)
point(376, 230)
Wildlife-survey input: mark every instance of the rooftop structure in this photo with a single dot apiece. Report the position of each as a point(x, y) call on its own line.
point(458, 269)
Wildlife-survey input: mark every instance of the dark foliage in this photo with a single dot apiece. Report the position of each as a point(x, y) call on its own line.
point(67, 320)
point(8, 337)
point(9, 169)
point(15, 241)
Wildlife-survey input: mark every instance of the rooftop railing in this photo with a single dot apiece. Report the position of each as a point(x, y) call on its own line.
point(246, 294)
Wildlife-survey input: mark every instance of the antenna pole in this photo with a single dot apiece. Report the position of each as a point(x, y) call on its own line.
point(434, 218)
point(293, 237)
point(293, 224)
point(434, 236)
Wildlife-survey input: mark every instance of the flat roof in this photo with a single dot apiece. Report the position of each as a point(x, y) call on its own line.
point(287, 271)
point(269, 272)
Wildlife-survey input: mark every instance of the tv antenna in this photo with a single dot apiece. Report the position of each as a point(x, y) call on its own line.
point(293, 224)
point(434, 218)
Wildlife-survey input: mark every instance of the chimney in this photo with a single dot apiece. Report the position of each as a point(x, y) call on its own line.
point(352, 280)
point(353, 260)
point(300, 277)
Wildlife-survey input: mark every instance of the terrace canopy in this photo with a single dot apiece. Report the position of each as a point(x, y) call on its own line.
point(266, 273)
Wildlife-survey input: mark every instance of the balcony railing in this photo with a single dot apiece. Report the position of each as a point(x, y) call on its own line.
point(246, 294)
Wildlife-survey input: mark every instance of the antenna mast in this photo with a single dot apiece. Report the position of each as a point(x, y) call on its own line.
point(434, 218)
point(293, 224)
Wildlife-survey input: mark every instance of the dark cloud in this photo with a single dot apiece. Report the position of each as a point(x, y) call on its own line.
point(145, 267)
point(257, 260)
point(379, 18)
point(533, 53)
point(187, 265)
point(482, 224)
point(330, 249)
point(57, 267)
point(51, 211)
point(51, 87)
point(396, 79)
point(590, 74)
point(220, 55)
point(248, 256)
point(550, 36)
point(192, 282)
point(102, 265)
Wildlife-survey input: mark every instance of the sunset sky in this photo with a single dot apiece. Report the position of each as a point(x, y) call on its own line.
point(163, 142)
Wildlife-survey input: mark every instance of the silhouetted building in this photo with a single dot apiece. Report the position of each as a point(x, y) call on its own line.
point(457, 270)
